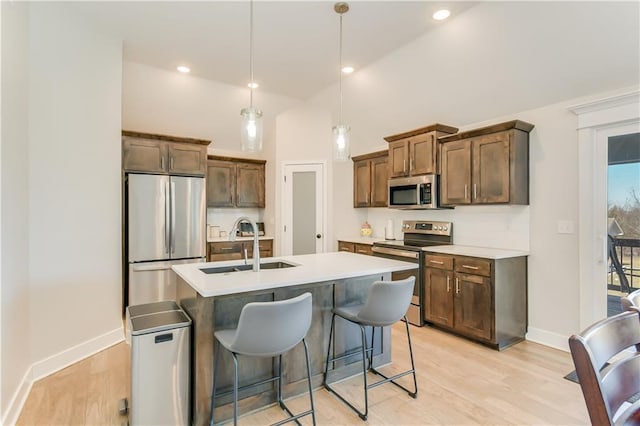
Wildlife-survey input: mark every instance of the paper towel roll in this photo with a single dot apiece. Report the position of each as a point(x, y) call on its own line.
point(388, 231)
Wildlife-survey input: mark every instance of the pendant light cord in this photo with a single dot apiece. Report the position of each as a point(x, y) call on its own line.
point(251, 53)
point(340, 121)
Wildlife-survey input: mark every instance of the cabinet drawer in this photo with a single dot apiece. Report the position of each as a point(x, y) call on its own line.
point(225, 247)
point(439, 262)
point(346, 246)
point(472, 265)
point(363, 249)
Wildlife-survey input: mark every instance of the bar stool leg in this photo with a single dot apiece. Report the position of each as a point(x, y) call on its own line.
point(280, 401)
point(306, 353)
point(326, 366)
point(413, 367)
point(364, 415)
point(216, 356)
point(235, 389)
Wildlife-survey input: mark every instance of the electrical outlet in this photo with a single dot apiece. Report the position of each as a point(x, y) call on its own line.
point(565, 227)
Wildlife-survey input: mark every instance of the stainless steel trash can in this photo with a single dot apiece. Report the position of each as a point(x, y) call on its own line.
point(160, 364)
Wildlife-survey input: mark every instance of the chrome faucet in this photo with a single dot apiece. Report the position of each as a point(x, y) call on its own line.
point(256, 247)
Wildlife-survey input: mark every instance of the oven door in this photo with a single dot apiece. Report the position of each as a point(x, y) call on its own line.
point(414, 313)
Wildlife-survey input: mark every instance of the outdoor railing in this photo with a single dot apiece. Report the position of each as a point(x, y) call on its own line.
point(628, 250)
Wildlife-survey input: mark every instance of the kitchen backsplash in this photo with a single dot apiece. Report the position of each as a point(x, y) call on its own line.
point(224, 218)
point(484, 226)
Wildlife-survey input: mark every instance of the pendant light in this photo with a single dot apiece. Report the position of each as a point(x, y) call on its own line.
point(341, 130)
point(251, 123)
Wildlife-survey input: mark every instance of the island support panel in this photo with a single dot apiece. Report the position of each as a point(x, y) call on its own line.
point(210, 314)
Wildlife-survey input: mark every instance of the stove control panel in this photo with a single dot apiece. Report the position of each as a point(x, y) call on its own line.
point(426, 227)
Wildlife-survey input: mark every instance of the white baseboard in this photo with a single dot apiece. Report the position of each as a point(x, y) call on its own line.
point(55, 363)
point(548, 338)
point(18, 399)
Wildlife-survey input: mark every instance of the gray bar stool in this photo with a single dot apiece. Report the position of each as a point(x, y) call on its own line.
point(387, 303)
point(266, 329)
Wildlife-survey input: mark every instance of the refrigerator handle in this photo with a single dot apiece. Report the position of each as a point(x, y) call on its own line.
point(173, 217)
point(167, 217)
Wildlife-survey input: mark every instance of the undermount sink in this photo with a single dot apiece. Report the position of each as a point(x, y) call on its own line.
point(238, 268)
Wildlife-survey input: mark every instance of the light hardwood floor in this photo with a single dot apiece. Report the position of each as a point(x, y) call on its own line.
point(460, 383)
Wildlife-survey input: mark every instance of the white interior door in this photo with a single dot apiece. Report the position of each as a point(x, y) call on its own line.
point(303, 209)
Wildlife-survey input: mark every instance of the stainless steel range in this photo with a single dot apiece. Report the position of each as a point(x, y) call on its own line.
point(417, 234)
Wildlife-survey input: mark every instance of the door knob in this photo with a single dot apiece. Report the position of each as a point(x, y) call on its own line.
point(318, 236)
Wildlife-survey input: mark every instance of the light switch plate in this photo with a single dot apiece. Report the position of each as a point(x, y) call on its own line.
point(565, 227)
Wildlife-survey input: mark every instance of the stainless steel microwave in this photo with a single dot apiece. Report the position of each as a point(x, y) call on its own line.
point(418, 192)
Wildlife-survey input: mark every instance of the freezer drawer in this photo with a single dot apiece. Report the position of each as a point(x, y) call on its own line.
point(153, 281)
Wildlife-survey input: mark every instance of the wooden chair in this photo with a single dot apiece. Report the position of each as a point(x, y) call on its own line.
point(631, 301)
point(608, 374)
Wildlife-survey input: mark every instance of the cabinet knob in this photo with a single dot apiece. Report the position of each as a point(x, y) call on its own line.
point(318, 236)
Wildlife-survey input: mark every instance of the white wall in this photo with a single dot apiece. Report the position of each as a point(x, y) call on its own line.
point(439, 79)
point(14, 227)
point(74, 186)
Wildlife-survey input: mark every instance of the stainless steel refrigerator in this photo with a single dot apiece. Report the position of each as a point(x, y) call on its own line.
point(166, 219)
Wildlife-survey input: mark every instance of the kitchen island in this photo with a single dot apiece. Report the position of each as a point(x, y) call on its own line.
point(214, 301)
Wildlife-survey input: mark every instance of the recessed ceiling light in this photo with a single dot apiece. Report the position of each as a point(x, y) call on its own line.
point(183, 69)
point(441, 14)
point(347, 70)
point(253, 85)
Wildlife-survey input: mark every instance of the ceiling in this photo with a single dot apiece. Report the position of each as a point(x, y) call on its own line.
point(295, 42)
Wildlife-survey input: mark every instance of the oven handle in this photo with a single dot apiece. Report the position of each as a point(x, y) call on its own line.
point(395, 252)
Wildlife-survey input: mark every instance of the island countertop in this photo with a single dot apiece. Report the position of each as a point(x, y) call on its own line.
point(311, 268)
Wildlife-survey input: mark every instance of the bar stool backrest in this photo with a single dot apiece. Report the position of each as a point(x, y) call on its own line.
point(268, 329)
point(387, 302)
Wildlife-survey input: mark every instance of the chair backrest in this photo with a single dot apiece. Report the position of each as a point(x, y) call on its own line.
point(272, 328)
point(631, 301)
point(606, 387)
point(617, 266)
point(387, 301)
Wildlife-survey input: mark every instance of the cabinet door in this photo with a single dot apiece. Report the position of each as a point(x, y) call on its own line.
point(456, 173)
point(221, 183)
point(491, 169)
point(398, 158)
point(250, 185)
point(422, 154)
point(473, 306)
point(361, 183)
point(379, 182)
point(438, 296)
point(144, 155)
point(187, 159)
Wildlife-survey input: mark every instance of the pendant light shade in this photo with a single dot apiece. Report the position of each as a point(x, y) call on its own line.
point(341, 149)
point(341, 142)
point(251, 123)
point(251, 129)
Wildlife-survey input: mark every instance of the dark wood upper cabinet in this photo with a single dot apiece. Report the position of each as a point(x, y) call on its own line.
point(250, 185)
point(235, 182)
point(415, 152)
point(486, 166)
point(221, 183)
point(162, 154)
point(370, 180)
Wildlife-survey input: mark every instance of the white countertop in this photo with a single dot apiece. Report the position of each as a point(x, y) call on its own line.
point(225, 239)
point(473, 251)
point(312, 268)
point(362, 240)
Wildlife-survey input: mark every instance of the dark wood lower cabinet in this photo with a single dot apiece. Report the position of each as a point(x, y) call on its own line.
point(234, 250)
point(482, 299)
point(360, 248)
